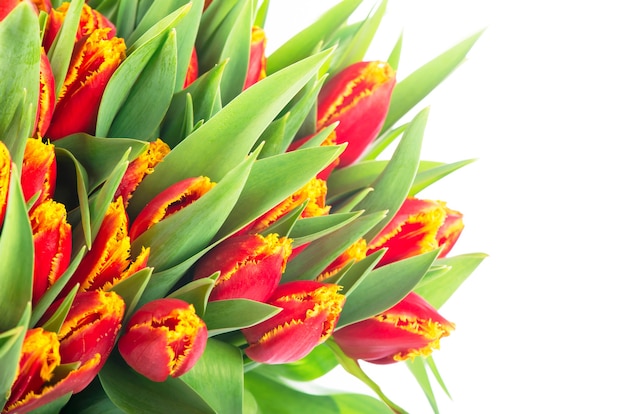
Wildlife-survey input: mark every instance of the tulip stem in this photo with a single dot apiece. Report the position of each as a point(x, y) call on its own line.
point(352, 367)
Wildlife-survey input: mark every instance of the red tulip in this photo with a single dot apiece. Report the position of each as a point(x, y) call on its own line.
point(86, 337)
point(5, 177)
point(257, 62)
point(409, 329)
point(45, 105)
point(358, 97)
point(419, 226)
point(52, 237)
point(140, 167)
point(108, 262)
point(94, 60)
point(39, 170)
point(169, 201)
point(250, 266)
point(310, 311)
point(164, 338)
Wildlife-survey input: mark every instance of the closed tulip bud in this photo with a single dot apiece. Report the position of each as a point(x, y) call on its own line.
point(169, 201)
point(309, 314)
point(250, 266)
point(409, 329)
point(52, 238)
point(358, 97)
point(45, 105)
point(39, 170)
point(257, 62)
point(86, 337)
point(164, 338)
point(108, 262)
point(5, 176)
point(140, 167)
point(418, 227)
point(93, 62)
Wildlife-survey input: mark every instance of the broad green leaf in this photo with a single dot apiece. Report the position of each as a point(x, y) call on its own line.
point(223, 316)
point(236, 49)
point(19, 63)
point(317, 363)
point(189, 230)
point(226, 136)
point(351, 279)
point(215, 21)
point(418, 368)
point(54, 323)
point(99, 156)
point(350, 202)
point(292, 170)
point(155, 31)
point(427, 177)
point(60, 52)
point(304, 43)
point(412, 89)
point(18, 131)
point(308, 229)
point(16, 257)
point(196, 293)
point(358, 404)
point(321, 252)
point(131, 289)
point(385, 286)
point(437, 290)
point(392, 185)
point(91, 400)
point(273, 137)
point(134, 393)
point(126, 17)
point(353, 178)
point(218, 377)
point(10, 351)
point(148, 99)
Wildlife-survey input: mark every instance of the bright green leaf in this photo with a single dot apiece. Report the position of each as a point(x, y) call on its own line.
point(223, 316)
point(131, 289)
point(196, 293)
point(418, 369)
point(60, 52)
point(320, 361)
point(10, 351)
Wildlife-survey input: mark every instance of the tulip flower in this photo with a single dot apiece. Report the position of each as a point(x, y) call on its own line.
point(314, 191)
point(52, 237)
point(250, 266)
point(93, 62)
point(164, 338)
point(108, 262)
point(169, 201)
point(86, 337)
point(257, 62)
point(140, 167)
point(358, 97)
point(309, 314)
point(6, 6)
point(418, 227)
point(357, 251)
point(409, 329)
point(90, 21)
point(39, 170)
point(45, 105)
point(5, 176)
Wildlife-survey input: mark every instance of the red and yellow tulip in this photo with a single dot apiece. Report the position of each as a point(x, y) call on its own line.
point(39, 170)
point(164, 338)
point(310, 311)
point(250, 266)
point(409, 329)
point(45, 105)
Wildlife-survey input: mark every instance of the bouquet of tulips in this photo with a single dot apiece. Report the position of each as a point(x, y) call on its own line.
point(191, 225)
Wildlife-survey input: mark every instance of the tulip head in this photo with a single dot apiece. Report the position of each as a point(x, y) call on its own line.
point(418, 227)
point(358, 97)
point(164, 338)
point(52, 237)
point(257, 62)
point(309, 314)
point(250, 266)
point(39, 170)
point(409, 329)
point(93, 62)
point(169, 201)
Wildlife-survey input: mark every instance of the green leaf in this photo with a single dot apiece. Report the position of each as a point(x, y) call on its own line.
point(54, 323)
point(433, 368)
point(215, 23)
point(91, 400)
point(19, 62)
point(196, 293)
point(353, 178)
point(284, 225)
point(304, 43)
point(146, 104)
point(427, 177)
point(351, 279)
point(16, 257)
point(10, 351)
point(418, 369)
point(226, 136)
point(358, 404)
point(317, 363)
point(412, 89)
point(125, 17)
point(131, 289)
point(394, 56)
point(392, 185)
point(383, 142)
point(229, 315)
point(320, 253)
point(134, 393)
point(189, 230)
point(60, 52)
point(385, 286)
point(273, 137)
point(157, 30)
point(437, 290)
point(99, 156)
point(223, 365)
point(308, 229)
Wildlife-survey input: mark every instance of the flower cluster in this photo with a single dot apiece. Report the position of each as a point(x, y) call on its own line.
point(160, 224)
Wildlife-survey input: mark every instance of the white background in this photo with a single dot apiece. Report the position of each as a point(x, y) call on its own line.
point(541, 102)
